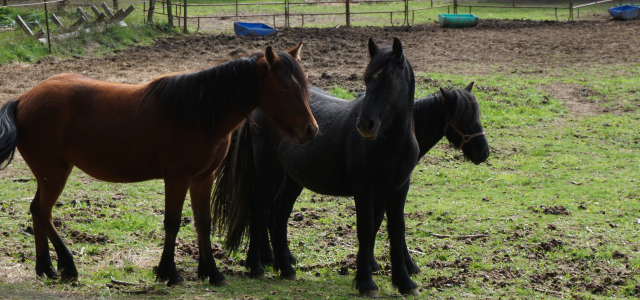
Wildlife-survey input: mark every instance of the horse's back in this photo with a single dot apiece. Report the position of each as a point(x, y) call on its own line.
point(93, 124)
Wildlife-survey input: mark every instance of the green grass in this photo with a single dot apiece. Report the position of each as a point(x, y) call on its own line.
point(542, 156)
point(19, 47)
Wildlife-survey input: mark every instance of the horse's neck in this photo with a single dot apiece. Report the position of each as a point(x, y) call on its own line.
point(430, 119)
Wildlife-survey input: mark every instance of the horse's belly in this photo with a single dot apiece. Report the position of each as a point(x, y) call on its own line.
point(327, 185)
point(321, 175)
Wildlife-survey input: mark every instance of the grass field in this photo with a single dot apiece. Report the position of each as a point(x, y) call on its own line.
point(558, 199)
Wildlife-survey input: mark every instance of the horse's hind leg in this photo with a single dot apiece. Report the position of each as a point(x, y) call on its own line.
point(200, 190)
point(176, 186)
point(266, 254)
point(43, 259)
point(49, 189)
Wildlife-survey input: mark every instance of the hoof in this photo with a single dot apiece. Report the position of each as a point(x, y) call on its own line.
point(290, 277)
point(222, 282)
point(68, 278)
point(51, 274)
point(412, 292)
point(258, 276)
point(369, 294)
point(178, 283)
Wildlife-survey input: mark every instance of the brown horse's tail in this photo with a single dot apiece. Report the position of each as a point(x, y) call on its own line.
point(8, 132)
point(234, 186)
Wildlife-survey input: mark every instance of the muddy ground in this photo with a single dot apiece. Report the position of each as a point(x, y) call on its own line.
point(523, 47)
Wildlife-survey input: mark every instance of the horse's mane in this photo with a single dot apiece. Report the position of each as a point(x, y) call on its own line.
point(202, 98)
point(467, 109)
point(378, 61)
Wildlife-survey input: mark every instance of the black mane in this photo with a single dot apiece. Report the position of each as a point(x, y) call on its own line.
point(378, 61)
point(466, 110)
point(202, 98)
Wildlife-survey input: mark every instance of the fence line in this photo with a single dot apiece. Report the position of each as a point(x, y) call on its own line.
point(61, 34)
point(183, 18)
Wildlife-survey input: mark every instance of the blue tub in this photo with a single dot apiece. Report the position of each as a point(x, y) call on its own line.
point(458, 21)
point(253, 29)
point(625, 12)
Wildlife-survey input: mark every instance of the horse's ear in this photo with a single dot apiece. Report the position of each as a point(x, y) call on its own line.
point(397, 48)
point(270, 56)
point(373, 48)
point(469, 87)
point(296, 51)
point(446, 94)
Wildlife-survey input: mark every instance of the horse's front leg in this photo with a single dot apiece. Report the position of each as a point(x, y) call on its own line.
point(378, 216)
point(284, 201)
point(200, 190)
point(176, 186)
point(364, 277)
point(396, 228)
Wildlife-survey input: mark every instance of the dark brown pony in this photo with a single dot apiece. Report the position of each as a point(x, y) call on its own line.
point(176, 128)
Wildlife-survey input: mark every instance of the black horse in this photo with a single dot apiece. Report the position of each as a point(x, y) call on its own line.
point(448, 113)
point(373, 164)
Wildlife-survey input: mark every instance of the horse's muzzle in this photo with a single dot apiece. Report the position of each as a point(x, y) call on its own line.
point(306, 133)
point(368, 128)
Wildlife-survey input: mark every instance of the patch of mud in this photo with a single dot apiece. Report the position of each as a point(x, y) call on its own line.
point(82, 237)
point(574, 97)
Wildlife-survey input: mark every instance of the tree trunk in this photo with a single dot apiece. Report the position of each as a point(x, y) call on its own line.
point(152, 7)
point(5, 2)
point(116, 5)
point(170, 12)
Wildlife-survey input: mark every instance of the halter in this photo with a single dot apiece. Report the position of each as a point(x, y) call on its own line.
point(465, 137)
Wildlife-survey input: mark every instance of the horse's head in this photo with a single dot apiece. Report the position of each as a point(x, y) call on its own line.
point(390, 89)
point(284, 94)
point(463, 128)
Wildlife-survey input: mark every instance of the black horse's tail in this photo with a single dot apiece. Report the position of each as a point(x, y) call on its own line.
point(8, 132)
point(234, 186)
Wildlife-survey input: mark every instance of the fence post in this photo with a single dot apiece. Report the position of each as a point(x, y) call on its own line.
point(184, 3)
point(116, 5)
point(5, 2)
point(571, 10)
point(348, 12)
point(46, 18)
point(406, 12)
point(455, 7)
point(169, 13)
point(287, 22)
point(152, 7)
point(236, 8)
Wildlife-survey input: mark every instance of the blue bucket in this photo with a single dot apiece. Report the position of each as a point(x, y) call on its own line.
point(253, 29)
point(458, 21)
point(625, 12)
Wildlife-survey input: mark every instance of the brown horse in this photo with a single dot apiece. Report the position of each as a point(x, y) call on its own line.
point(176, 128)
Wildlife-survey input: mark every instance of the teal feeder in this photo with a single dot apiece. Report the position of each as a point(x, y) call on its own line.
point(458, 21)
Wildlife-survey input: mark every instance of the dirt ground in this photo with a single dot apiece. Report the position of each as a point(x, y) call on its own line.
point(332, 56)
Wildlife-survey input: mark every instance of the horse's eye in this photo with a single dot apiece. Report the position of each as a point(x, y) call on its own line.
point(285, 86)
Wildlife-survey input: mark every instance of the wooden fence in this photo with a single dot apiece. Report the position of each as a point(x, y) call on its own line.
point(178, 10)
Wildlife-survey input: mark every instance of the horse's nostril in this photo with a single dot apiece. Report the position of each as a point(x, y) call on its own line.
point(370, 124)
point(311, 131)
